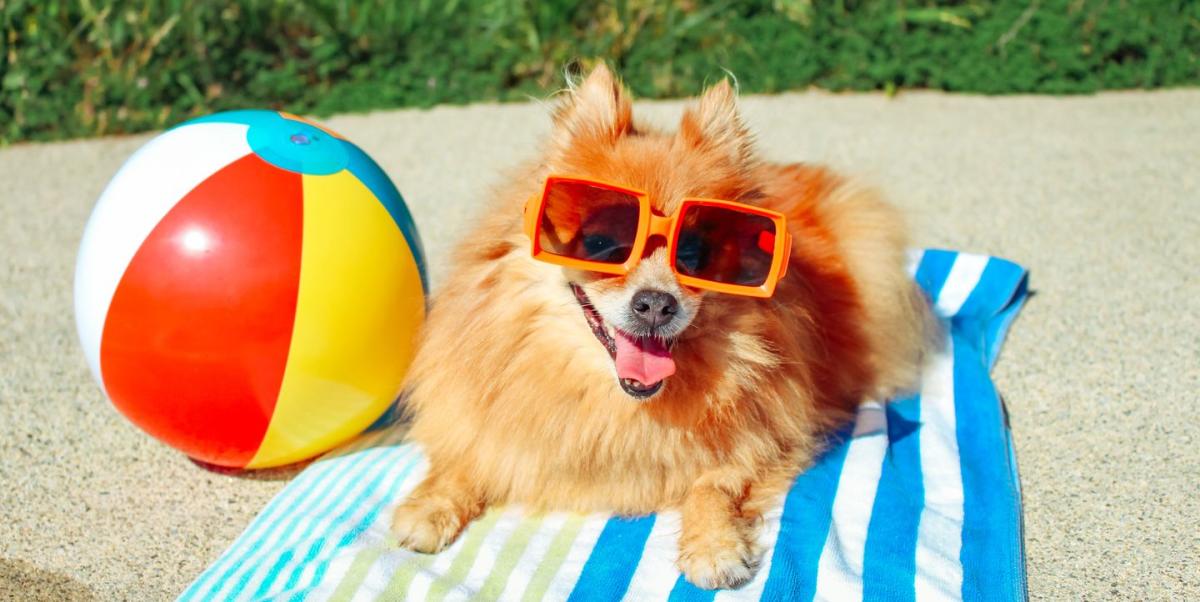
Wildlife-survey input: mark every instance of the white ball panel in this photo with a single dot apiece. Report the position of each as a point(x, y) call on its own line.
point(150, 183)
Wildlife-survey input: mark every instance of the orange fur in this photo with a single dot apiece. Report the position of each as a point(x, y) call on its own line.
point(514, 400)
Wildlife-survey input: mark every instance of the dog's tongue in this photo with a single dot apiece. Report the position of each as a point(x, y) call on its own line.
point(646, 360)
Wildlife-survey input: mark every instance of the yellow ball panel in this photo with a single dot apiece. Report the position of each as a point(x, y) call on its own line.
point(358, 310)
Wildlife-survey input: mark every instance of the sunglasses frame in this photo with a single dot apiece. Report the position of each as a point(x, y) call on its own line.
point(667, 227)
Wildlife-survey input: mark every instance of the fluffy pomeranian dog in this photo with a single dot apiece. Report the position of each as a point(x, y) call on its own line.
point(566, 389)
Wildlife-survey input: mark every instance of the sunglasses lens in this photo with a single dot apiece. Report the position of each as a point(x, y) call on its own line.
point(725, 245)
point(588, 222)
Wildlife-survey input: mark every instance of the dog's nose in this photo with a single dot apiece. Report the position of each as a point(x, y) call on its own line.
point(654, 308)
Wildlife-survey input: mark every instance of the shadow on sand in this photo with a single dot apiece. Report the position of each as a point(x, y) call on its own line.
point(22, 580)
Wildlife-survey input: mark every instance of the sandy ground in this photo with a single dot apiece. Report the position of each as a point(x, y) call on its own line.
point(1098, 196)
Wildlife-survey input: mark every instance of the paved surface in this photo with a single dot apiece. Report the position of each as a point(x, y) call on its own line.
point(1099, 196)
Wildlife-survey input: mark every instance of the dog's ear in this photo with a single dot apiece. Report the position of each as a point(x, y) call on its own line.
point(597, 110)
point(715, 125)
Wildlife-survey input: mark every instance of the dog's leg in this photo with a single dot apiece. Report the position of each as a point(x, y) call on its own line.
point(436, 511)
point(717, 543)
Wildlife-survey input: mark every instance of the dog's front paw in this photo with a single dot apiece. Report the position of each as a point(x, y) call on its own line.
point(718, 562)
point(427, 525)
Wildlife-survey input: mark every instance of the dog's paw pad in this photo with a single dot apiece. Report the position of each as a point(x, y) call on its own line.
point(425, 526)
point(718, 567)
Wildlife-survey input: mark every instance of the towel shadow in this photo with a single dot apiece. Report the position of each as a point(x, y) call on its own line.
point(899, 428)
point(25, 581)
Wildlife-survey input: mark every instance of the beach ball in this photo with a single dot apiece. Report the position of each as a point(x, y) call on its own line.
point(248, 289)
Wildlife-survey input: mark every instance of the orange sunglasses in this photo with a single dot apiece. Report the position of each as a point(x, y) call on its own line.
point(714, 245)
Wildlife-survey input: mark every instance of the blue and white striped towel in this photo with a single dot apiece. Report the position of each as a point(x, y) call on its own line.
point(921, 501)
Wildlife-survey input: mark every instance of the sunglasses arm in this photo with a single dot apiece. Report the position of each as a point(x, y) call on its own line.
point(787, 253)
point(530, 216)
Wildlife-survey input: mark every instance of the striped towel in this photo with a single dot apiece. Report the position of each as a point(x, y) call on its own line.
point(920, 500)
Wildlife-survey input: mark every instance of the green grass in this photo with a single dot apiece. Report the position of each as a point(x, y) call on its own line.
point(89, 67)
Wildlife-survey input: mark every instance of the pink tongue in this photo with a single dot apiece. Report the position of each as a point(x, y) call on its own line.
point(645, 360)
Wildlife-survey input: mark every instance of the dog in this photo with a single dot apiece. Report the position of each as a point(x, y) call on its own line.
point(562, 388)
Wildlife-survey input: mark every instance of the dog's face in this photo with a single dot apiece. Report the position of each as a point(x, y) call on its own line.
point(638, 318)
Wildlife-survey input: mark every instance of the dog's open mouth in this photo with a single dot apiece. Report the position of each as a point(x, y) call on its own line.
point(643, 363)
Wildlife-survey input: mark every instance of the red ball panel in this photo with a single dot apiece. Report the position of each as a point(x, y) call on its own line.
point(197, 336)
